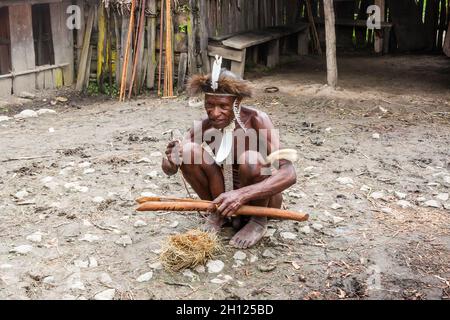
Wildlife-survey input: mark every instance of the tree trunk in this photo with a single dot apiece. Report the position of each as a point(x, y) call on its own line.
point(330, 35)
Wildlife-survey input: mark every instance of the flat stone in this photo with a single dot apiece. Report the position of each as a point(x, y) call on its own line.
point(215, 266)
point(189, 274)
point(140, 223)
point(200, 269)
point(23, 249)
point(446, 179)
point(337, 220)
point(376, 136)
point(153, 174)
point(239, 255)
point(400, 195)
point(45, 111)
point(51, 185)
point(98, 199)
point(65, 171)
point(26, 114)
point(174, 224)
point(157, 266)
point(336, 206)
point(144, 160)
point(90, 238)
point(365, 188)
point(268, 254)
point(156, 154)
point(21, 194)
point(81, 263)
point(253, 258)
point(93, 262)
point(264, 268)
point(85, 164)
point(288, 235)
point(51, 130)
point(124, 241)
point(317, 226)
point(442, 196)
point(432, 204)
point(49, 280)
point(297, 195)
point(447, 206)
point(4, 118)
point(421, 199)
point(145, 277)
point(305, 229)
point(270, 232)
point(88, 171)
point(47, 179)
point(107, 294)
point(221, 279)
point(148, 194)
point(377, 195)
point(386, 210)
point(35, 237)
point(345, 180)
point(104, 278)
point(404, 204)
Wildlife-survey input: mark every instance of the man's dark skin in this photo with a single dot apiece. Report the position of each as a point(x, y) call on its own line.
point(207, 179)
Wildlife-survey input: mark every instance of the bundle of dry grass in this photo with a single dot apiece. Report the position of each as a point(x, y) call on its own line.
point(189, 249)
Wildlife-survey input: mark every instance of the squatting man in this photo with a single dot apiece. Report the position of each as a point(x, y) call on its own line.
point(219, 160)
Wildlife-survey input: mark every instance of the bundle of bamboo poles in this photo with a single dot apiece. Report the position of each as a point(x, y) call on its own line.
point(177, 204)
point(168, 61)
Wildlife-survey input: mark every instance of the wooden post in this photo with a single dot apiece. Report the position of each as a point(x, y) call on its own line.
point(379, 34)
point(84, 63)
point(22, 47)
point(446, 47)
point(204, 37)
point(330, 36)
point(151, 40)
point(191, 30)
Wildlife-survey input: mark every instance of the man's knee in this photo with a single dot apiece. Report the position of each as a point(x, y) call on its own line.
point(250, 166)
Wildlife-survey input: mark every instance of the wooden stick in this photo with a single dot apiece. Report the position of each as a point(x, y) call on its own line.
point(123, 84)
point(203, 206)
point(161, 30)
point(313, 27)
point(137, 45)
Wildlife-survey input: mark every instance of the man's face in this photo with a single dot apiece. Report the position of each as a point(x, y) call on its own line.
point(219, 110)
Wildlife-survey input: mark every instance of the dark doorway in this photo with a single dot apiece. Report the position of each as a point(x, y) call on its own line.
point(42, 34)
point(5, 42)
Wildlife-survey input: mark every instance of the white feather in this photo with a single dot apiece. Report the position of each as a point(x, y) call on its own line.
point(217, 67)
point(283, 154)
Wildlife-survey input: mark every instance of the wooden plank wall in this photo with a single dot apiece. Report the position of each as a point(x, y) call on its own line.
point(22, 47)
point(233, 16)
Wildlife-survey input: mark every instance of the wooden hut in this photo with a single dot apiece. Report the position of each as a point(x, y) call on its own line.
point(36, 47)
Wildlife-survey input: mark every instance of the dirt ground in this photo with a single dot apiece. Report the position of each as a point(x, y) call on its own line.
point(373, 235)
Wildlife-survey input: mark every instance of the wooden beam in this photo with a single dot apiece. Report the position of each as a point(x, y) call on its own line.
point(22, 47)
point(378, 43)
point(62, 40)
point(330, 36)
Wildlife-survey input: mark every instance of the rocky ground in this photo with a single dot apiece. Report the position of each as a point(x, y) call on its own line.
point(373, 173)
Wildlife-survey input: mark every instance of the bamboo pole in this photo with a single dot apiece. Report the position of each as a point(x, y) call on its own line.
point(138, 43)
point(123, 83)
point(161, 30)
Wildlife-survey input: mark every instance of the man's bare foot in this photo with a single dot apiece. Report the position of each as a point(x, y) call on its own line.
point(250, 234)
point(213, 223)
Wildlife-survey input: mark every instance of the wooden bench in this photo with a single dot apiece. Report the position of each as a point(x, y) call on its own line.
point(385, 28)
point(235, 47)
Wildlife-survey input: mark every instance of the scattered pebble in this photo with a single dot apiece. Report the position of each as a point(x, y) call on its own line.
point(365, 188)
point(88, 171)
point(93, 262)
point(153, 174)
point(305, 229)
point(386, 210)
point(23, 249)
point(144, 160)
point(145, 277)
point(377, 195)
point(268, 268)
point(215, 266)
point(253, 258)
point(107, 294)
point(104, 278)
point(35, 237)
point(239, 255)
point(376, 136)
point(404, 204)
point(336, 206)
point(344, 180)
point(432, 204)
point(4, 118)
point(148, 194)
point(268, 254)
point(26, 114)
point(337, 220)
point(84, 165)
point(124, 241)
point(140, 223)
point(442, 196)
point(157, 266)
point(400, 195)
point(288, 235)
point(156, 154)
point(81, 263)
point(317, 226)
point(21, 194)
point(270, 232)
point(90, 238)
point(174, 224)
point(49, 280)
point(41, 112)
point(200, 269)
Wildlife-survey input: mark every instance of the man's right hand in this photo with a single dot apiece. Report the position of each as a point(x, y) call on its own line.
point(174, 156)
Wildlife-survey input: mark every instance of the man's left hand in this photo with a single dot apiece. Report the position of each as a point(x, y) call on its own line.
point(227, 204)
